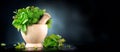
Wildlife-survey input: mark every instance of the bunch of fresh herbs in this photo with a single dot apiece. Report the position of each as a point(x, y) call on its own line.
point(27, 16)
point(53, 41)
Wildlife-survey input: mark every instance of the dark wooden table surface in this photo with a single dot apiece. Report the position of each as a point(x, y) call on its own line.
point(75, 49)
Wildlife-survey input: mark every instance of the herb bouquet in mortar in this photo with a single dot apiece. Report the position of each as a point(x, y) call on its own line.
point(33, 23)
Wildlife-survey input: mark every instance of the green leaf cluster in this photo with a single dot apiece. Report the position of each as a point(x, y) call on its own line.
point(20, 45)
point(53, 41)
point(27, 16)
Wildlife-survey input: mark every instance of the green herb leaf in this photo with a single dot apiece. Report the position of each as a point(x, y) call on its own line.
point(3, 44)
point(20, 45)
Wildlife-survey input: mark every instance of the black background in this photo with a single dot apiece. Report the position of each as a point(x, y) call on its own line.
point(96, 18)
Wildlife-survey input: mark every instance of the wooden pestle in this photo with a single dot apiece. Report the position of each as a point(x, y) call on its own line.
point(45, 18)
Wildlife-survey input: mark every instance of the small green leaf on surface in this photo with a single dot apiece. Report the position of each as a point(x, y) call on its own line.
point(19, 45)
point(35, 48)
point(3, 44)
point(68, 46)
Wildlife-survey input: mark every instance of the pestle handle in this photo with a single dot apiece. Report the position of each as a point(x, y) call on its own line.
point(45, 18)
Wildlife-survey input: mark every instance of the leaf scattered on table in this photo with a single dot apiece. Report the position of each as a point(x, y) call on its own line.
point(3, 44)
